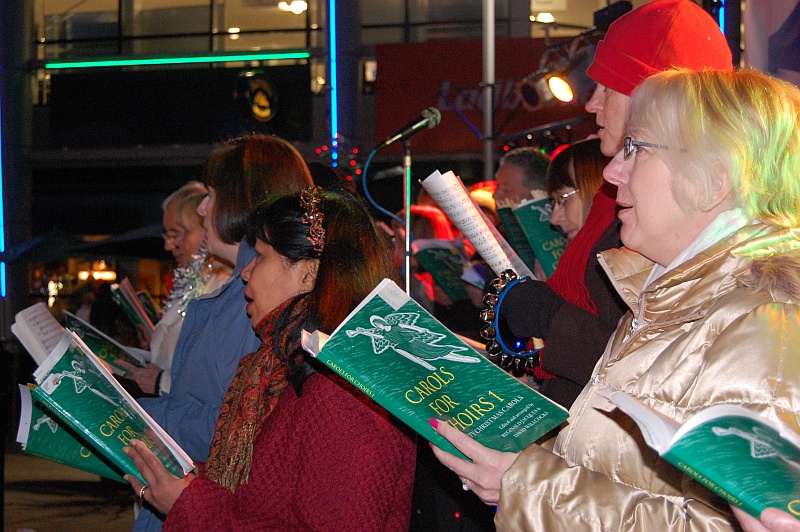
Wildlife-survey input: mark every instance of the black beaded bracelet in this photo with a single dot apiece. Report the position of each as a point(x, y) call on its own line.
point(516, 357)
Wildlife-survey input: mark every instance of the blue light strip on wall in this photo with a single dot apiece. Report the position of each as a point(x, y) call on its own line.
point(2, 210)
point(333, 74)
point(722, 18)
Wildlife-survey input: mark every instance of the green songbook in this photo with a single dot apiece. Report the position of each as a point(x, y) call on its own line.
point(446, 261)
point(47, 437)
point(515, 236)
point(749, 460)
point(126, 297)
point(396, 353)
point(105, 347)
point(76, 387)
point(547, 243)
point(151, 308)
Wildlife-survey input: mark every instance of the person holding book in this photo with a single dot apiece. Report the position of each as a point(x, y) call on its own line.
point(707, 185)
point(577, 309)
point(573, 178)
point(295, 446)
point(196, 273)
point(771, 520)
point(216, 331)
point(427, 222)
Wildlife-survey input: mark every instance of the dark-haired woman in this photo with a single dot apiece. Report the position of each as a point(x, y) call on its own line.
point(295, 448)
point(576, 309)
point(216, 331)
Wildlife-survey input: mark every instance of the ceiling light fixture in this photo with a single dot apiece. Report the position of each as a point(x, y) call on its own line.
point(296, 6)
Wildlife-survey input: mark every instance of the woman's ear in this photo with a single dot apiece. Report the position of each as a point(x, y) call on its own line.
point(720, 189)
point(309, 273)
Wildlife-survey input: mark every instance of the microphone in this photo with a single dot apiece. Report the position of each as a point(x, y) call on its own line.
point(429, 118)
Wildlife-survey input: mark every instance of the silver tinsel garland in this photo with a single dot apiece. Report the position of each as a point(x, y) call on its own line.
point(189, 281)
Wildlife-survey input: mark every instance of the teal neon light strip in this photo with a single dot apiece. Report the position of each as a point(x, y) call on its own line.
point(145, 61)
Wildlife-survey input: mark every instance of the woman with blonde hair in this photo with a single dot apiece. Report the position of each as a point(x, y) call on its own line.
point(710, 209)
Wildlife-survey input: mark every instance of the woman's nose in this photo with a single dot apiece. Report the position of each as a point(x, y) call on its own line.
point(617, 171)
point(595, 102)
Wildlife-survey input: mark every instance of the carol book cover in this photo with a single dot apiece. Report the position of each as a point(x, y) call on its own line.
point(393, 351)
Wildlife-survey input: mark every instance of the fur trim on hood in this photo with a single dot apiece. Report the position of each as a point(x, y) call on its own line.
point(779, 273)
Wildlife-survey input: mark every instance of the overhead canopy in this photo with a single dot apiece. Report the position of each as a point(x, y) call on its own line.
point(56, 246)
point(53, 246)
point(140, 243)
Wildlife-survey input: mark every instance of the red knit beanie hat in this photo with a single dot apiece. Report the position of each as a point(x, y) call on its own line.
point(658, 36)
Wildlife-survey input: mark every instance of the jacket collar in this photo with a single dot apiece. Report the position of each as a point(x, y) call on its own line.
point(698, 282)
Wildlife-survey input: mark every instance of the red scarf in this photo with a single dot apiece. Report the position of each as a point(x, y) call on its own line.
point(568, 281)
point(259, 381)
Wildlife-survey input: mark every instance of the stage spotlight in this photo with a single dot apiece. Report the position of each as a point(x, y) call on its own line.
point(560, 80)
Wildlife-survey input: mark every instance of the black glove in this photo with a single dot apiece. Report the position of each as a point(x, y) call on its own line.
point(529, 307)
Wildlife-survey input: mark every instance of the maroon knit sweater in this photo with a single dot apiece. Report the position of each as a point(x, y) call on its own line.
point(323, 461)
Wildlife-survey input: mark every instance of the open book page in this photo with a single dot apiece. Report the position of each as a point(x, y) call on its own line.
point(102, 345)
point(658, 430)
point(452, 197)
point(750, 460)
point(38, 331)
point(47, 437)
point(75, 386)
point(396, 353)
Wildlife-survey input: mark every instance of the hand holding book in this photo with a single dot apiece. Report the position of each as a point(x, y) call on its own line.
point(162, 488)
point(483, 474)
point(771, 520)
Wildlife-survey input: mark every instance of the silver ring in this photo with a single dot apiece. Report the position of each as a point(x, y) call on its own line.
point(464, 486)
point(141, 492)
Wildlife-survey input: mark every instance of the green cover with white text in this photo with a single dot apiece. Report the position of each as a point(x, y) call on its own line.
point(396, 353)
point(547, 243)
point(47, 437)
point(751, 465)
point(749, 460)
point(104, 347)
point(75, 387)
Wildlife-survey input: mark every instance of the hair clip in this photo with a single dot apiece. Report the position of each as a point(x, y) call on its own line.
point(310, 199)
point(515, 358)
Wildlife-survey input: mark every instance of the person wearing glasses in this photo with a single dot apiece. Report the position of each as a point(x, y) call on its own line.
point(710, 209)
point(196, 273)
point(576, 310)
point(573, 177)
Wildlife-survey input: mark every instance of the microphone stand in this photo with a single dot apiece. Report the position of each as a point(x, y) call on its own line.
point(407, 206)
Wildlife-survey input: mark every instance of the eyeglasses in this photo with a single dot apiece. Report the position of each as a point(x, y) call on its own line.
point(630, 147)
point(561, 200)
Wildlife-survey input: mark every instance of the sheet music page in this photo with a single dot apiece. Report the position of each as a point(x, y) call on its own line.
point(452, 197)
point(36, 324)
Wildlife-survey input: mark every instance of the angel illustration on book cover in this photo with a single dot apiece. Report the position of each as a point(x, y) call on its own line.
point(399, 332)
